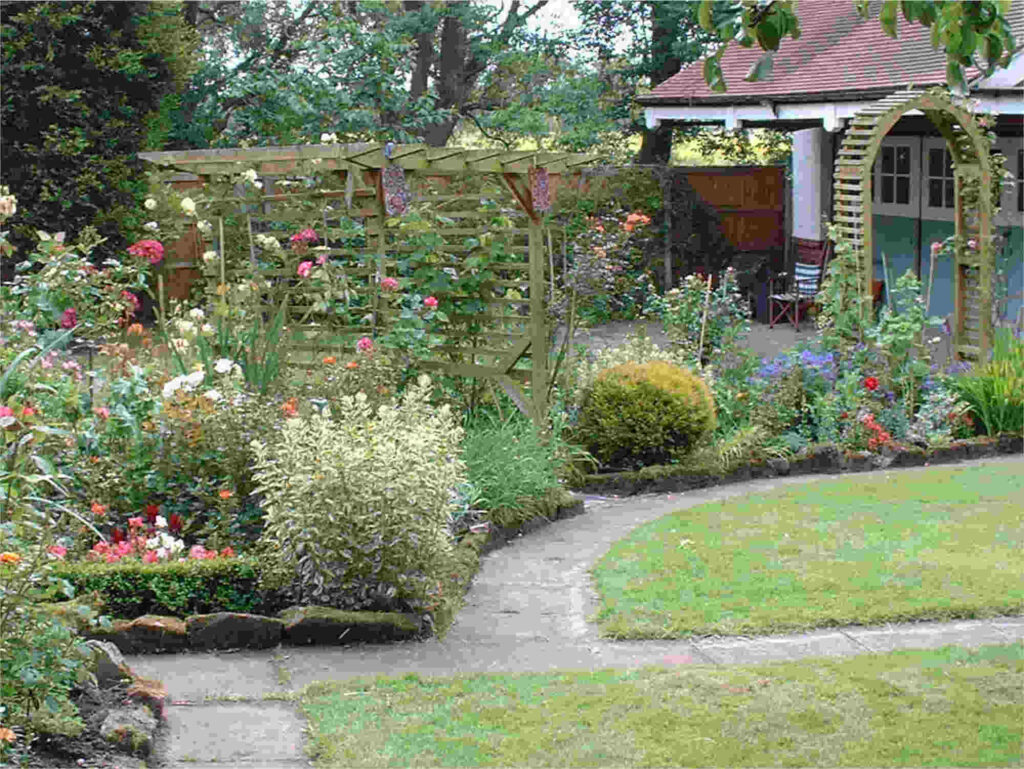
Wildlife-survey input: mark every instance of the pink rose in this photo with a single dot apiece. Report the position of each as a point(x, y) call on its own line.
point(322, 259)
point(148, 249)
point(227, 552)
point(122, 549)
point(6, 411)
point(305, 236)
point(936, 248)
point(58, 551)
point(102, 412)
point(28, 411)
point(69, 319)
point(430, 302)
point(972, 244)
point(365, 344)
point(111, 558)
point(136, 522)
point(389, 284)
point(209, 554)
point(149, 556)
point(304, 269)
point(136, 304)
point(197, 551)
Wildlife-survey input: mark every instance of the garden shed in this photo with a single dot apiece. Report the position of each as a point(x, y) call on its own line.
point(843, 65)
point(463, 230)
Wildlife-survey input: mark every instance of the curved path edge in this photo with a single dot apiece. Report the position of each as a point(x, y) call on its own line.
point(526, 611)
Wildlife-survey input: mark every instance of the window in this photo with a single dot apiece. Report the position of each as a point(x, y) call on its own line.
point(1020, 180)
point(897, 177)
point(941, 188)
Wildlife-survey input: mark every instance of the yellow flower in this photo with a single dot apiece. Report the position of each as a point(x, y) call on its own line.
point(11, 558)
point(222, 289)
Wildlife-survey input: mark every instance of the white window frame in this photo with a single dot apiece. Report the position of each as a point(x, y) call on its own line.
point(934, 213)
point(911, 208)
point(1009, 215)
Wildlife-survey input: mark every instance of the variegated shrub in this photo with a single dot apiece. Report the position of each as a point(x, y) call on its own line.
point(357, 506)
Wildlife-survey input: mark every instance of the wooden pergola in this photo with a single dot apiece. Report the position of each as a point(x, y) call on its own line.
point(495, 354)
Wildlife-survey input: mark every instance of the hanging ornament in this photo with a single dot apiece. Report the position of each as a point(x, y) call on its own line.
point(396, 190)
point(539, 190)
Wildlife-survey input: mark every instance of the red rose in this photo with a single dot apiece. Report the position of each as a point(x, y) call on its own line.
point(871, 383)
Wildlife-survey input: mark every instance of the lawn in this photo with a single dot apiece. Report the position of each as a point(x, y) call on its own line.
point(935, 543)
point(946, 707)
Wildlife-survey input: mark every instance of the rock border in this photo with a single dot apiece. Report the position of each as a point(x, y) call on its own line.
point(816, 460)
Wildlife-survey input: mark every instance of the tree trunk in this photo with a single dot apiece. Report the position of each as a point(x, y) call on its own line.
point(656, 146)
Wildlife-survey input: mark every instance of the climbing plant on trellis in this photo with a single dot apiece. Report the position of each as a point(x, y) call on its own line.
point(973, 252)
point(463, 227)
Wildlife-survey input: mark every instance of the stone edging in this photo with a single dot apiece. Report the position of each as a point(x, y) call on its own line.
point(820, 459)
point(296, 626)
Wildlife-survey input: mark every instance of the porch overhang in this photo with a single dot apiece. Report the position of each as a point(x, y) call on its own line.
point(831, 115)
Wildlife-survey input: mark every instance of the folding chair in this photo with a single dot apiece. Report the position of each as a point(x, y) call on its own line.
point(796, 296)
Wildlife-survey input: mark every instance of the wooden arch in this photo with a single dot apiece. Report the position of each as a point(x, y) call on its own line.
point(969, 149)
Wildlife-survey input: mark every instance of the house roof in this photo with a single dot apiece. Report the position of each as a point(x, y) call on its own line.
point(839, 56)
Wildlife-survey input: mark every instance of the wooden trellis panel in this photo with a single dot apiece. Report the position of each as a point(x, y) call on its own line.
point(968, 146)
point(493, 341)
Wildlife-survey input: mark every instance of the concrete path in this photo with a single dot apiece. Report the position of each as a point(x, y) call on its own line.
point(526, 611)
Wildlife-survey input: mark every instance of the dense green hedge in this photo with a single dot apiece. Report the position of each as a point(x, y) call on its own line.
point(180, 588)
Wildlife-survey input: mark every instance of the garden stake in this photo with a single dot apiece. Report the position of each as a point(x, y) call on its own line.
point(928, 294)
point(704, 324)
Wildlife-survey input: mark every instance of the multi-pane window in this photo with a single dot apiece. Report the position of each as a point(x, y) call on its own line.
point(894, 174)
point(1020, 180)
point(941, 187)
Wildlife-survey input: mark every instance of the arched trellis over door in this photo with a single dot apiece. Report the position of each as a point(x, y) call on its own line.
point(969, 150)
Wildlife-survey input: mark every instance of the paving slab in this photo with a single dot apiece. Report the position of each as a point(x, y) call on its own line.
point(238, 734)
point(199, 675)
point(932, 635)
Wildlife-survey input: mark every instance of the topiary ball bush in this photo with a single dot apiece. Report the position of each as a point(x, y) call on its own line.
point(639, 414)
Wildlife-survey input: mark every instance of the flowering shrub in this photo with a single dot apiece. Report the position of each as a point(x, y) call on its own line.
point(682, 312)
point(941, 418)
point(357, 507)
point(58, 286)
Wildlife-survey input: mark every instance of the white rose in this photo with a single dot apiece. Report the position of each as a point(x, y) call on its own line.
point(150, 204)
point(161, 522)
point(188, 206)
point(196, 314)
point(172, 387)
point(207, 330)
point(177, 545)
point(162, 553)
point(195, 379)
point(204, 227)
point(209, 257)
point(152, 543)
point(185, 327)
point(213, 395)
point(223, 365)
point(151, 226)
point(250, 175)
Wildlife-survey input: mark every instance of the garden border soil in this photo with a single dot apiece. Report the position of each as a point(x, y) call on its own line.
point(302, 626)
point(817, 459)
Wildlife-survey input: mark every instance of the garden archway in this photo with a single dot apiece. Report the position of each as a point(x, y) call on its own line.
point(969, 149)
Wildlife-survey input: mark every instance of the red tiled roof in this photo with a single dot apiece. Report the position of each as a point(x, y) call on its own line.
point(838, 53)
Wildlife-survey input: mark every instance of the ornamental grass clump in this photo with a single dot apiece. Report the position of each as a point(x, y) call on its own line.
point(357, 506)
point(645, 414)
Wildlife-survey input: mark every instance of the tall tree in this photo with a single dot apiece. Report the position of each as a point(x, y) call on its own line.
point(285, 72)
point(84, 87)
point(642, 43)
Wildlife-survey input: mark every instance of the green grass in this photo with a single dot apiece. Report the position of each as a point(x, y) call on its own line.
point(937, 543)
point(946, 707)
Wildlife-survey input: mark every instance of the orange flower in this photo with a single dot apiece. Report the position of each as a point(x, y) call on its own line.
point(330, 359)
point(290, 407)
point(225, 493)
point(9, 558)
point(6, 735)
point(98, 509)
point(135, 328)
point(351, 365)
point(222, 289)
